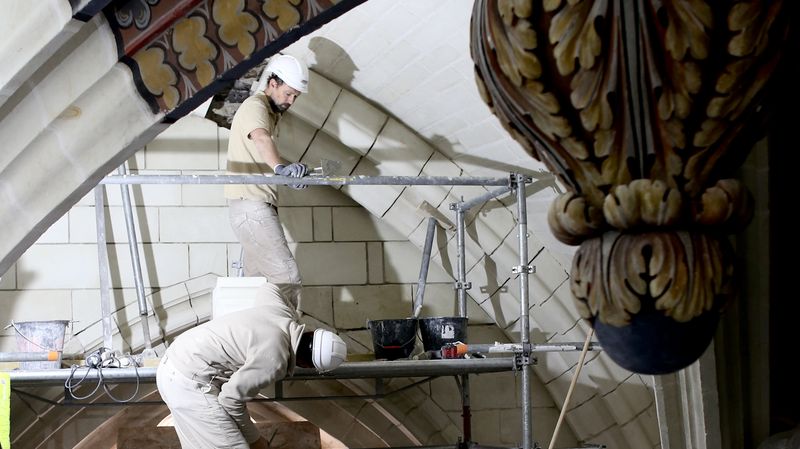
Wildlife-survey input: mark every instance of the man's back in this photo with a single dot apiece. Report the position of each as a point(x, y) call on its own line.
point(252, 347)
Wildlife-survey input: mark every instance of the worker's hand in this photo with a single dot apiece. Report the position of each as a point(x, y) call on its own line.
point(295, 170)
point(260, 443)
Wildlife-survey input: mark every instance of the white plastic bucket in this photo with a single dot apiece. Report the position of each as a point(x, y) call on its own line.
point(40, 336)
point(235, 293)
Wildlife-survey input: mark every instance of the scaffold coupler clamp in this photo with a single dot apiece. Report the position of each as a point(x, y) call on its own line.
point(527, 269)
point(524, 357)
point(462, 285)
point(515, 178)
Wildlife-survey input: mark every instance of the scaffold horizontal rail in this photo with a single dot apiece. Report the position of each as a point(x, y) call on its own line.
point(308, 180)
point(347, 370)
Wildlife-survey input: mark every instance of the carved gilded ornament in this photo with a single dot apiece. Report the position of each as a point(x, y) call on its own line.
point(644, 110)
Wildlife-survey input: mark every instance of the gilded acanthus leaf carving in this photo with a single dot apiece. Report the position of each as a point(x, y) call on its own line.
point(727, 203)
point(604, 141)
point(621, 207)
point(611, 95)
point(589, 95)
point(506, 56)
point(524, 39)
point(571, 217)
point(689, 21)
point(509, 9)
point(676, 99)
point(641, 109)
point(516, 61)
point(673, 137)
point(573, 33)
point(575, 148)
point(546, 107)
point(550, 5)
point(661, 206)
point(752, 22)
point(612, 170)
point(729, 78)
point(642, 203)
point(682, 274)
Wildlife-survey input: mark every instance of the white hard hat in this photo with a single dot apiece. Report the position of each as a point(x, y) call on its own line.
point(290, 70)
point(328, 350)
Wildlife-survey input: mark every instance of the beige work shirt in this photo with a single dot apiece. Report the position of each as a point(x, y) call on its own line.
point(253, 348)
point(243, 157)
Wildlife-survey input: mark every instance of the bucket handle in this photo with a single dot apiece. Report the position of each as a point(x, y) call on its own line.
point(400, 345)
point(14, 325)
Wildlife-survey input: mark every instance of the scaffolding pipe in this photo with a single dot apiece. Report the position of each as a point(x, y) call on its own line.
point(134, 249)
point(516, 348)
point(347, 370)
point(524, 269)
point(48, 356)
point(467, 205)
point(462, 285)
point(423, 270)
point(466, 413)
point(102, 260)
point(308, 180)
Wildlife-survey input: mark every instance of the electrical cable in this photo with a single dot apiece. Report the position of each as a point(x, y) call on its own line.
point(105, 387)
point(71, 387)
point(101, 359)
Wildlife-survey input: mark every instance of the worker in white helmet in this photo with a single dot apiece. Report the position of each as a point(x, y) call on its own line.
point(209, 372)
point(252, 150)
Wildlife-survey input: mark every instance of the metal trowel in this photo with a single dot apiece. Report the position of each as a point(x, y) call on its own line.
point(327, 167)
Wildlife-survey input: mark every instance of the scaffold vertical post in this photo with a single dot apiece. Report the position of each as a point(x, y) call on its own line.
point(522, 220)
point(462, 265)
point(134, 250)
point(102, 256)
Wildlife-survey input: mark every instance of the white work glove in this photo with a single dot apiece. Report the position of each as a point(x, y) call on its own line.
point(293, 170)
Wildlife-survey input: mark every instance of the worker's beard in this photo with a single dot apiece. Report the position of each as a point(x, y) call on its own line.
point(279, 108)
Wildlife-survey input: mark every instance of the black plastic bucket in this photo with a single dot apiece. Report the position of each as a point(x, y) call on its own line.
point(393, 339)
point(439, 331)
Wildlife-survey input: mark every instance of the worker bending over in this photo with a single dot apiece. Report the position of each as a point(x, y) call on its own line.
point(209, 372)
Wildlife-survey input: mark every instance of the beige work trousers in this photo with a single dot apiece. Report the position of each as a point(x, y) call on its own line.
point(266, 252)
point(200, 421)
